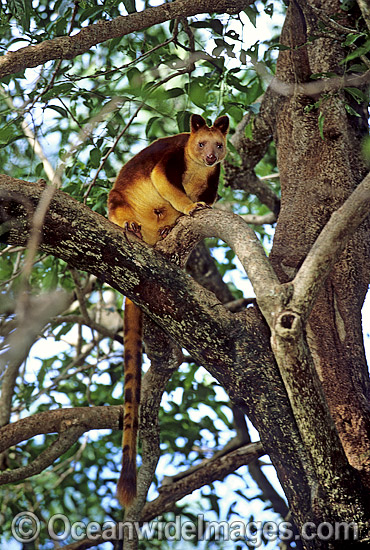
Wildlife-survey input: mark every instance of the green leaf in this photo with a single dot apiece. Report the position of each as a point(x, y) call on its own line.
point(59, 90)
point(58, 109)
point(317, 76)
point(6, 269)
point(174, 92)
point(6, 134)
point(357, 94)
point(351, 38)
point(358, 52)
point(91, 13)
point(39, 169)
point(365, 149)
point(214, 24)
point(347, 5)
point(222, 45)
point(130, 6)
point(135, 77)
point(253, 51)
point(252, 13)
point(359, 67)
point(321, 121)
point(150, 124)
point(197, 93)
point(95, 157)
point(350, 110)
point(280, 47)
point(183, 120)
point(217, 26)
point(21, 11)
point(269, 9)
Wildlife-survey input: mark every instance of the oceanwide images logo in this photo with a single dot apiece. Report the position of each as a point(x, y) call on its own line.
point(26, 527)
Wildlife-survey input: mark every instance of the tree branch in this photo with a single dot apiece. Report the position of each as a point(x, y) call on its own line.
point(92, 324)
point(62, 444)
point(233, 230)
point(211, 470)
point(290, 347)
point(134, 268)
point(253, 219)
point(327, 248)
point(90, 418)
point(69, 47)
point(324, 85)
point(70, 424)
point(251, 151)
point(231, 346)
point(311, 412)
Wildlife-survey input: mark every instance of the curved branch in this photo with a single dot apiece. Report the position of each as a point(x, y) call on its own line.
point(212, 470)
point(61, 445)
point(317, 87)
point(70, 424)
point(90, 418)
point(233, 230)
point(253, 219)
point(69, 47)
point(231, 346)
point(92, 324)
point(246, 180)
point(328, 246)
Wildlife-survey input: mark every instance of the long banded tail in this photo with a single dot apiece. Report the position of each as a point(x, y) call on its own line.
point(132, 326)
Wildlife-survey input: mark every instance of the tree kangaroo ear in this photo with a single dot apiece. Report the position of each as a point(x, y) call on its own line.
point(222, 124)
point(197, 122)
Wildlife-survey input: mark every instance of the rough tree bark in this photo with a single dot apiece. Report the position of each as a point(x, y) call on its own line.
point(317, 175)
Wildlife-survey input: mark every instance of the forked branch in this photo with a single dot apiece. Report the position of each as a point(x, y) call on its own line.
point(70, 424)
point(328, 246)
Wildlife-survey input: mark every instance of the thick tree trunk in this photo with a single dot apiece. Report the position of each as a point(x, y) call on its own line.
point(318, 172)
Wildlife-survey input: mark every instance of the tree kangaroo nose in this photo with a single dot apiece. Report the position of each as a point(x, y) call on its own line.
point(211, 158)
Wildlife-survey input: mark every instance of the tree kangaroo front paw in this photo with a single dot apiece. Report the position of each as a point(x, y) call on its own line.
point(135, 228)
point(190, 211)
point(164, 231)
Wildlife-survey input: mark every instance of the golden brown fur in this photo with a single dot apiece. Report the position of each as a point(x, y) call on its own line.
point(173, 176)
